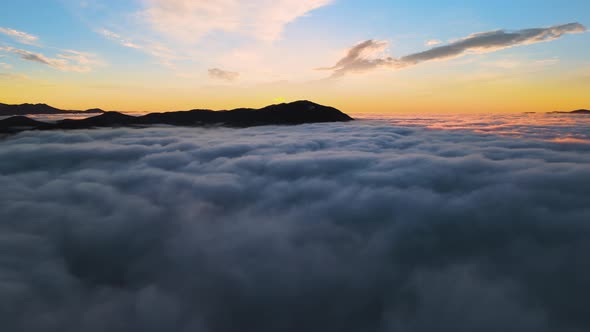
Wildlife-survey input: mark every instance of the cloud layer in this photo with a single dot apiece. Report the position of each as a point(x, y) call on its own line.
point(364, 226)
point(368, 56)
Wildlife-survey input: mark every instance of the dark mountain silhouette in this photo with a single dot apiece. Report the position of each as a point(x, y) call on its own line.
point(39, 109)
point(20, 121)
point(298, 112)
point(107, 119)
point(581, 111)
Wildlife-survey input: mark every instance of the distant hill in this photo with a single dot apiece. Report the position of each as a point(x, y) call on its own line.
point(298, 112)
point(19, 121)
point(39, 109)
point(581, 111)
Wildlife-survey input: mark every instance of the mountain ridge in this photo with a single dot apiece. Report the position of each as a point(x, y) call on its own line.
point(40, 109)
point(299, 112)
point(580, 111)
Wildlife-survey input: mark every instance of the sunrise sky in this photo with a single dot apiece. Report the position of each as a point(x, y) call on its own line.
point(360, 56)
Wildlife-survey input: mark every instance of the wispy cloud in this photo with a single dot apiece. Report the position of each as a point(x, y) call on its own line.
point(433, 42)
point(190, 37)
point(513, 64)
point(13, 77)
point(67, 60)
point(164, 54)
point(189, 21)
point(118, 38)
point(368, 55)
point(20, 36)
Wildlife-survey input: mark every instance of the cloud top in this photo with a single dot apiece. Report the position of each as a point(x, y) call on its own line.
point(363, 226)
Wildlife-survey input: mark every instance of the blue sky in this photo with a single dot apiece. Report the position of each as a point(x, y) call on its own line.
point(173, 44)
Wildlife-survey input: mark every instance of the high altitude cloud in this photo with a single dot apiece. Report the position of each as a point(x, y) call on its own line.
point(67, 60)
point(366, 55)
point(328, 227)
point(118, 38)
point(164, 54)
point(191, 20)
point(20, 36)
point(224, 75)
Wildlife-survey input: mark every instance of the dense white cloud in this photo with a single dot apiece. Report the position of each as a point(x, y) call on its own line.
point(20, 36)
point(362, 226)
point(368, 55)
point(165, 55)
point(191, 20)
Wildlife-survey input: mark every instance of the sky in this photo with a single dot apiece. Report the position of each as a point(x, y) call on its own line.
point(359, 56)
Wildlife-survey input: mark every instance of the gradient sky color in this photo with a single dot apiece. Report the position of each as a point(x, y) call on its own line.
point(158, 55)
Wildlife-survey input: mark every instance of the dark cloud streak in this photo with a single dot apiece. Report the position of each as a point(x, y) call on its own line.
point(364, 56)
point(68, 60)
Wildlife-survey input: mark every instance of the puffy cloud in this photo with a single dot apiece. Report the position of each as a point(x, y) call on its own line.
point(190, 20)
point(220, 74)
point(367, 56)
point(21, 37)
point(364, 226)
point(67, 60)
